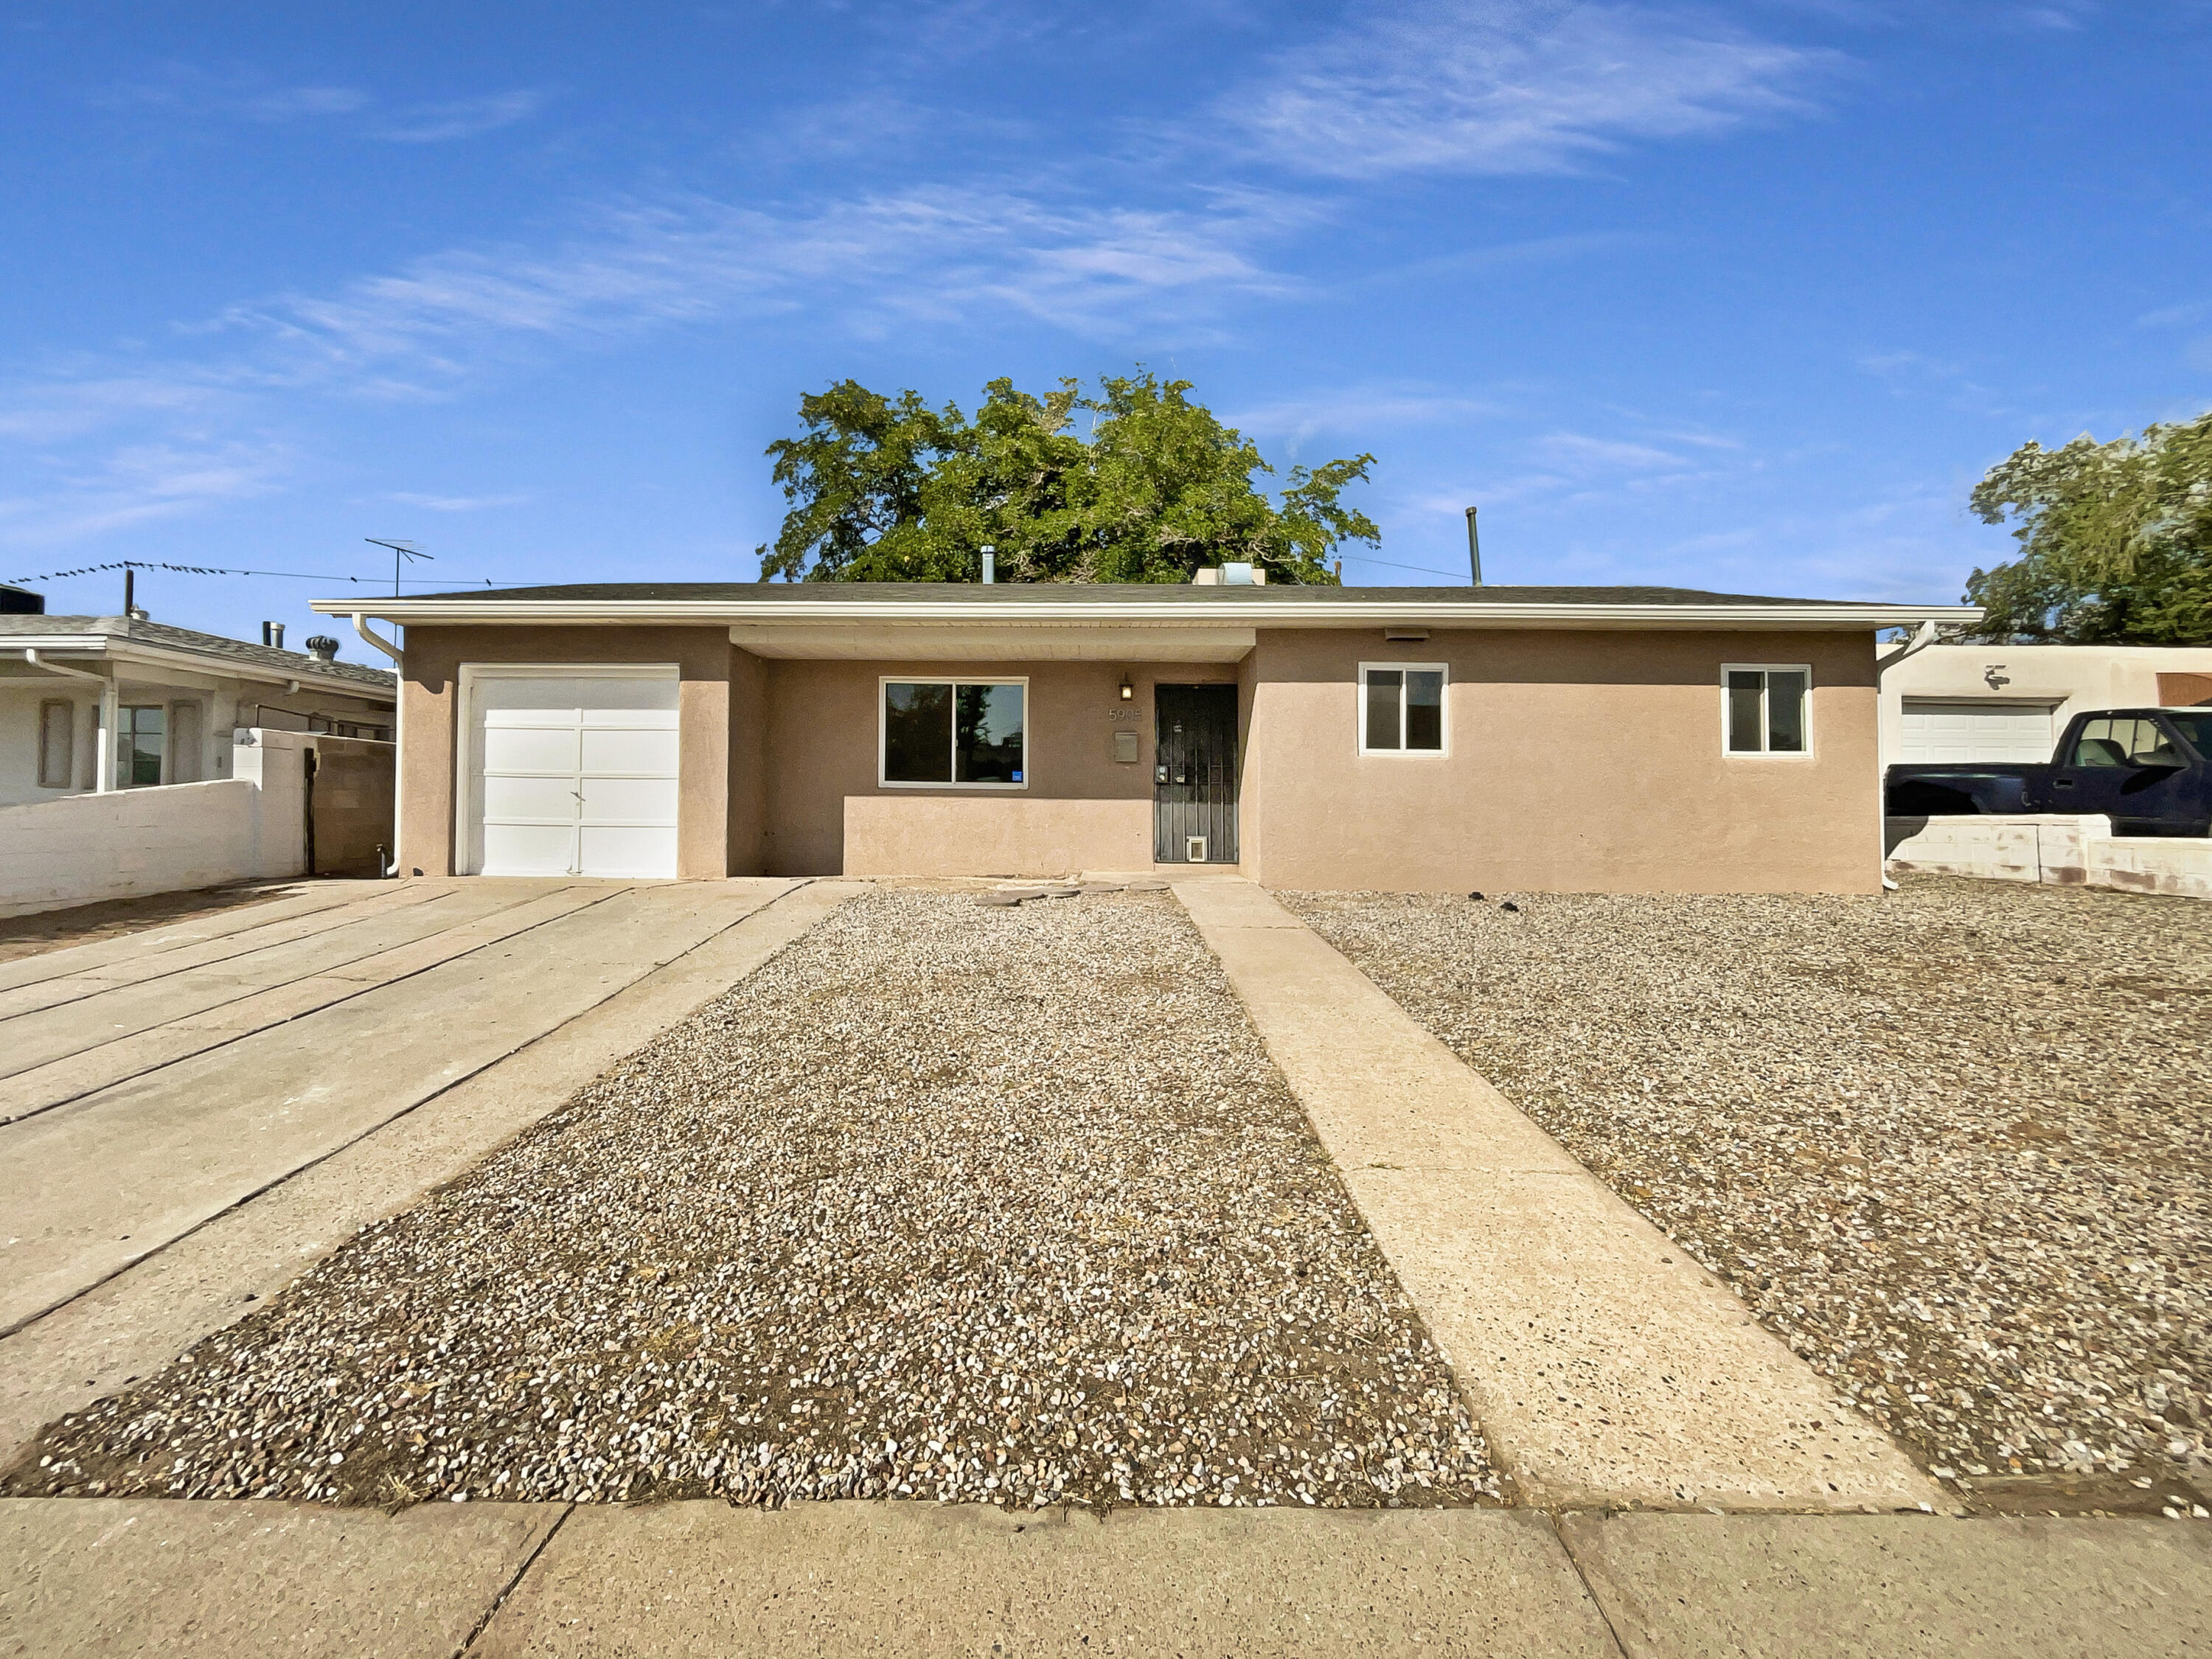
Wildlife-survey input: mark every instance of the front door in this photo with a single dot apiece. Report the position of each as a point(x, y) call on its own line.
point(1195, 775)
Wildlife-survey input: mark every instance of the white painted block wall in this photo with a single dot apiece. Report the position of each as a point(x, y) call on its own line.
point(82, 848)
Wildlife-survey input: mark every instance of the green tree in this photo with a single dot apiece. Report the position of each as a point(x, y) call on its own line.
point(885, 490)
point(2116, 540)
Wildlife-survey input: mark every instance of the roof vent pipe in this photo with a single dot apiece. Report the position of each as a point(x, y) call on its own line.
point(1474, 550)
point(272, 635)
point(990, 565)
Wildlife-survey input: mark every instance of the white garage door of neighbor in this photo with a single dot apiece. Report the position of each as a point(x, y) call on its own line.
point(1943, 733)
point(575, 772)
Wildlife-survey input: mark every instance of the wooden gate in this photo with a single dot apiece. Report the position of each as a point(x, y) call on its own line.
point(1195, 775)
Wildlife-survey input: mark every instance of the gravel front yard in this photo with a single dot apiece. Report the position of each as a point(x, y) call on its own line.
point(999, 1203)
point(1953, 1144)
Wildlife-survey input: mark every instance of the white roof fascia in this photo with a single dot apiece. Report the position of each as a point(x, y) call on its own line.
point(1203, 613)
point(110, 649)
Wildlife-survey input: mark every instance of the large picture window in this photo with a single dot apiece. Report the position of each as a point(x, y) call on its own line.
point(957, 733)
point(1765, 708)
point(1401, 708)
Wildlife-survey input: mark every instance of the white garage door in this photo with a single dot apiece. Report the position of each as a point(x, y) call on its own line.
point(574, 772)
point(1946, 732)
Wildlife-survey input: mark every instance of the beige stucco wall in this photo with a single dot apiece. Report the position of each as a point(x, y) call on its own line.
point(820, 755)
point(430, 730)
point(994, 835)
point(2064, 678)
point(1575, 763)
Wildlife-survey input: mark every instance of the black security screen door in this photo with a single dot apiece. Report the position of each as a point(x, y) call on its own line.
point(1194, 773)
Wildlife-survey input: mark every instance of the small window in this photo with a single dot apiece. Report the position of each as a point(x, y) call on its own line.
point(141, 736)
point(57, 745)
point(1401, 708)
point(955, 732)
point(1764, 709)
point(2124, 743)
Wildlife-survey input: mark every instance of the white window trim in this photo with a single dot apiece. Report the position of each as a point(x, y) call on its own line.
point(468, 836)
point(1444, 711)
point(1765, 726)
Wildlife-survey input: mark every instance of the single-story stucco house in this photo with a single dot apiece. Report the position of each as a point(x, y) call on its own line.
point(1517, 738)
point(158, 702)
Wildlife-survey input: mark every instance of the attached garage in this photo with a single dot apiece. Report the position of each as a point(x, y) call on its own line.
point(1944, 733)
point(569, 770)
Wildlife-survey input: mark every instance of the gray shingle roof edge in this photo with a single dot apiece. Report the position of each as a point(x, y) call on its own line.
point(1017, 593)
point(167, 637)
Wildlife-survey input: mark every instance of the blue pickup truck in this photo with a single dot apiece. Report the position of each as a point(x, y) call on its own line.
point(2148, 769)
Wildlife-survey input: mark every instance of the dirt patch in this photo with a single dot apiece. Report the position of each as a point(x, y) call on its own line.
point(81, 923)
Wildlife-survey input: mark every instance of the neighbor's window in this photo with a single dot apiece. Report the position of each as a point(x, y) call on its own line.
point(140, 734)
point(955, 732)
point(1765, 709)
point(1401, 707)
point(57, 745)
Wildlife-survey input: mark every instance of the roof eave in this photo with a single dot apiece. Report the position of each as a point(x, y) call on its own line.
point(1363, 613)
point(113, 648)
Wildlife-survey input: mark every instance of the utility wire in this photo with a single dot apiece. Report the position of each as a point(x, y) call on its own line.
point(1459, 577)
point(215, 570)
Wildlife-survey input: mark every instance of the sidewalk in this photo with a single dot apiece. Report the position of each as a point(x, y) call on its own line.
point(1606, 1368)
point(96, 1576)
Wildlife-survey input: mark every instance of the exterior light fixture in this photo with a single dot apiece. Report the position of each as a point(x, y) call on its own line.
point(1128, 691)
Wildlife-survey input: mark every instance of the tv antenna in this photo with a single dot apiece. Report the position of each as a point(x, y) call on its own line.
point(401, 552)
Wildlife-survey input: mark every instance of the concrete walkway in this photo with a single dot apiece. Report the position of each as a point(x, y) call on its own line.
point(1607, 1368)
point(309, 1129)
point(243, 1580)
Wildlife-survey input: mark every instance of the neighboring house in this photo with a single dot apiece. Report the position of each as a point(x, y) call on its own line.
point(161, 703)
point(2008, 702)
point(1516, 739)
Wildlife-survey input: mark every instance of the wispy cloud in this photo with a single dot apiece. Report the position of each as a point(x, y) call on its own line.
point(1356, 410)
point(938, 254)
point(439, 325)
point(136, 483)
point(1580, 452)
point(463, 118)
point(292, 103)
point(184, 90)
point(1454, 86)
point(456, 503)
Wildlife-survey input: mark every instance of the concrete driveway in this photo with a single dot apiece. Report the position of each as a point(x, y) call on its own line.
point(189, 1114)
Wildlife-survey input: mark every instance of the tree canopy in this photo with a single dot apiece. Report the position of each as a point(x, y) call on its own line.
point(889, 489)
point(2116, 540)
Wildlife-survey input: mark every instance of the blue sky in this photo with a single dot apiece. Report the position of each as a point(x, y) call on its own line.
point(1743, 297)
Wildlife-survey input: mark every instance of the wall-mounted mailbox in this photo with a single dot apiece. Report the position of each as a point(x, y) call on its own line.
point(1125, 748)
